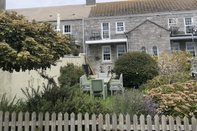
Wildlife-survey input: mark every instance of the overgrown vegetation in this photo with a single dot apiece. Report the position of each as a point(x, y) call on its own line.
point(178, 99)
point(70, 74)
point(133, 102)
point(170, 92)
point(137, 68)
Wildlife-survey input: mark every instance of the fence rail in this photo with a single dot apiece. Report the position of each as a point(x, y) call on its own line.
point(86, 122)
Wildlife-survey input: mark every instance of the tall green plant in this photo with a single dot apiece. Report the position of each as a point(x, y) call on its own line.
point(7, 104)
point(137, 68)
point(70, 74)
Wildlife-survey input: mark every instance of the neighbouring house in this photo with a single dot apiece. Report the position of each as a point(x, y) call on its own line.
point(106, 30)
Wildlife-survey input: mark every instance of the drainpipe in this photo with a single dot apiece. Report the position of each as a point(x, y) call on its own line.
point(83, 35)
point(127, 43)
point(85, 50)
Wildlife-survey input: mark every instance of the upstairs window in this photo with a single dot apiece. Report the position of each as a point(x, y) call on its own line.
point(120, 27)
point(105, 31)
point(67, 29)
point(172, 22)
point(106, 53)
point(120, 50)
point(188, 25)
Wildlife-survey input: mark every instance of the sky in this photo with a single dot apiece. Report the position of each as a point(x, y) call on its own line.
point(15, 4)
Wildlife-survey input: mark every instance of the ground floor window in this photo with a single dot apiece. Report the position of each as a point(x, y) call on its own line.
point(120, 50)
point(155, 52)
point(175, 46)
point(143, 49)
point(190, 47)
point(106, 53)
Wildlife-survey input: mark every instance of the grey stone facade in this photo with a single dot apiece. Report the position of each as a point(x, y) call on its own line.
point(2, 4)
point(146, 30)
point(145, 25)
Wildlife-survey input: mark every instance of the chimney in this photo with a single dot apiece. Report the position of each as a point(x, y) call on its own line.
point(2, 4)
point(90, 2)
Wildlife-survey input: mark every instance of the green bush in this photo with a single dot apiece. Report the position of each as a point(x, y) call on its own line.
point(70, 74)
point(133, 102)
point(65, 99)
point(137, 68)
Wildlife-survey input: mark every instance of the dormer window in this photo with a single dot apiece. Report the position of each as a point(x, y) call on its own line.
point(188, 25)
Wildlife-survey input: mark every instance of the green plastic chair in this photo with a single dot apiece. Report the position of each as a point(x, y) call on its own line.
point(117, 85)
point(98, 88)
point(84, 83)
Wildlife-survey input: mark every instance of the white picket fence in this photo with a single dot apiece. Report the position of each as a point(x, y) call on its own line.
point(79, 122)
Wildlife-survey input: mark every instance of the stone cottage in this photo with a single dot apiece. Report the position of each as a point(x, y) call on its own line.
point(104, 31)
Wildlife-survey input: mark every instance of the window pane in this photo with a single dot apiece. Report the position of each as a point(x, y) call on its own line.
point(106, 53)
point(188, 25)
point(191, 48)
point(120, 49)
point(120, 27)
point(155, 50)
point(67, 29)
point(143, 49)
point(175, 46)
point(105, 30)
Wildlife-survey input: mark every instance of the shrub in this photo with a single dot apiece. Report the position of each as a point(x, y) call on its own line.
point(177, 99)
point(173, 68)
point(70, 74)
point(133, 102)
point(65, 99)
point(137, 68)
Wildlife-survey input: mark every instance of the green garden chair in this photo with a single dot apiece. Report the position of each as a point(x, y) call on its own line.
point(84, 83)
point(117, 85)
point(97, 88)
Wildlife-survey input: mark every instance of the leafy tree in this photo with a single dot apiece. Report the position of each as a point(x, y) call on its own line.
point(26, 45)
point(137, 68)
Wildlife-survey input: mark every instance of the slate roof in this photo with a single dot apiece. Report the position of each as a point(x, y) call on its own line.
point(141, 7)
point(50, 13)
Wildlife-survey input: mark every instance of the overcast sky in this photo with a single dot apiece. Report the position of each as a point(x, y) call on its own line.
point(14, 4)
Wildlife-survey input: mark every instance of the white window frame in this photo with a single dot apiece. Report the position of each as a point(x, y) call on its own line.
point(186, 25)
point(187, 44)
point(177, 45)
point(105, 30)
point(153, 50)
point(106, 53)
point(117, 27)
point(67, 32)
point(120, 53)
point(172, 22)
